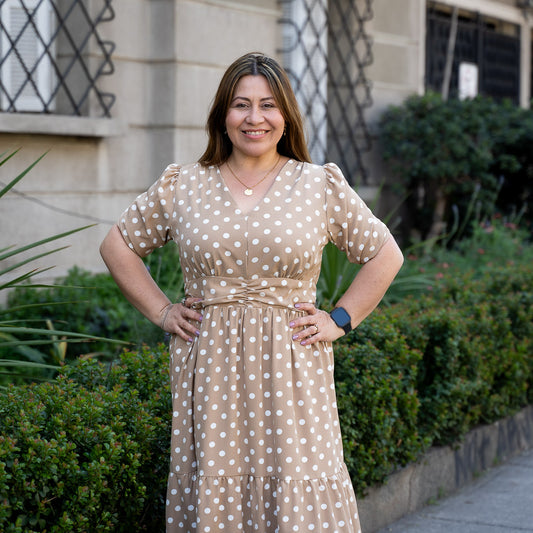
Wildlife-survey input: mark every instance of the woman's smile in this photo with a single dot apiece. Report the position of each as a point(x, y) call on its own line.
point(255, 133)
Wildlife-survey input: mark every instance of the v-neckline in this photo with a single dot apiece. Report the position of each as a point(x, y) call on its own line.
point(248, 212)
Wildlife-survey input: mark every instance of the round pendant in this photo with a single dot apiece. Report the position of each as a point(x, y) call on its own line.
point(248, 192)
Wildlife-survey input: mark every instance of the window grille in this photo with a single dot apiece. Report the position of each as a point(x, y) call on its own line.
point(325, 51)
point(493, 45)
point(52, 57)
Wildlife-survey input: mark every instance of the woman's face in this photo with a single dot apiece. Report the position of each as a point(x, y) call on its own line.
point(254, 122)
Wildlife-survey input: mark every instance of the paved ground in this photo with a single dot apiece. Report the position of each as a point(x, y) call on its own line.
point(499, 501)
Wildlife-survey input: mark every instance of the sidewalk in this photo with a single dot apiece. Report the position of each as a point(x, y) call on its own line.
point(499, 501)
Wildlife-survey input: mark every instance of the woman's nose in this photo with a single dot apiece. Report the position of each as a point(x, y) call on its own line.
point(254, 115)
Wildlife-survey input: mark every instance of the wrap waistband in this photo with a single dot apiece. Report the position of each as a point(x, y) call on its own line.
point(280, 292)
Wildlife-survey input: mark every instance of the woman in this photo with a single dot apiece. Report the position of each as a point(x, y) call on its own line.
point(255, 443)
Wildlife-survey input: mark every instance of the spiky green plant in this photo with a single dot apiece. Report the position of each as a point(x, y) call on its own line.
point(337, 273)
point(26, 359)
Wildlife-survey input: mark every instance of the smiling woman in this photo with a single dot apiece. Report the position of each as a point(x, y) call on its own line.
point(256, 443)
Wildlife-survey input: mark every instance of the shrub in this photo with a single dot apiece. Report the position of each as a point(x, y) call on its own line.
point(448, 378)
point(474, 335)
point(445, 153)
point(499, 321)
point(88, 452)
point(94, 305)
point(375, 375)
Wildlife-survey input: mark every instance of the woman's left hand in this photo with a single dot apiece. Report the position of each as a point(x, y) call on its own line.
point(316, 326)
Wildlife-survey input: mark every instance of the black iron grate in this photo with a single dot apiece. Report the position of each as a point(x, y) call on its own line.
point(479, 41)
point(326, 51)
point(52, 57)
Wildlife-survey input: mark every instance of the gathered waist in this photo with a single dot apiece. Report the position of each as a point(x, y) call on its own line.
point(279, 292)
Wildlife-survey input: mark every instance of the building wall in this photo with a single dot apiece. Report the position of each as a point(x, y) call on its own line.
point(398, 37)
point(169, 57)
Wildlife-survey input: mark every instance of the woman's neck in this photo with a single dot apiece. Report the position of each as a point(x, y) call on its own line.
point(252, 165)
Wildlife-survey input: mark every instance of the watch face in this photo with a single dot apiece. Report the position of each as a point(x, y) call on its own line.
point(341, 317)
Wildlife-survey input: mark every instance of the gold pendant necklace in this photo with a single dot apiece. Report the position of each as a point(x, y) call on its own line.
point(248, 191)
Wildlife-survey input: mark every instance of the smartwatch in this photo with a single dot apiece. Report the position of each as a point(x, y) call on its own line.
point(341, 317)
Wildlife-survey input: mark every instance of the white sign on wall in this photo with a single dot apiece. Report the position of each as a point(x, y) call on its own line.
point(468, 80)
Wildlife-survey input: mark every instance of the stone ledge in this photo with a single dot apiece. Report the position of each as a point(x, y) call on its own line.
point(39, 124)
point(444, 470)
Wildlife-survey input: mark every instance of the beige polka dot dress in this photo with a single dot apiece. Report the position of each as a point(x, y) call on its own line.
point(256, 443)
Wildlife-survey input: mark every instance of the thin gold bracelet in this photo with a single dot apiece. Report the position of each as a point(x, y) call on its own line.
point(166, 310)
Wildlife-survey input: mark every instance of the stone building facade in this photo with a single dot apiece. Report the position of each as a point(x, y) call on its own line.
point(120, 88)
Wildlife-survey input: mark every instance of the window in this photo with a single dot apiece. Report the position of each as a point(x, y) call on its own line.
point(52, 57)
point(26, 70)
point(491, 44)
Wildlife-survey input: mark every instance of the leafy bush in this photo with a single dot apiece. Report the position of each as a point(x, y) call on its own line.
point(375, 376)
point(88, 452)
point(446, 153)
point(448, 380)
point(498, 314)
point(474, 335)
point(92, 304)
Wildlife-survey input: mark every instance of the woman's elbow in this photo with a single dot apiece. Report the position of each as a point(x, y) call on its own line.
point(399, 255)
point(394, 255)
point(111, 244)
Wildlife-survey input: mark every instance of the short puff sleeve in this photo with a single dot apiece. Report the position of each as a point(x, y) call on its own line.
point(351, 225)
point(145, 225)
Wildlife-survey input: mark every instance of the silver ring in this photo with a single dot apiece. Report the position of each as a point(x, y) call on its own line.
point(316, 328)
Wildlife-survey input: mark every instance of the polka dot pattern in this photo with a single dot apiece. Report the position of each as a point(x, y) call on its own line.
point(256, 443)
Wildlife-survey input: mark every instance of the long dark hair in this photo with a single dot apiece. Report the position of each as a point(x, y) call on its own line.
point(292, 144)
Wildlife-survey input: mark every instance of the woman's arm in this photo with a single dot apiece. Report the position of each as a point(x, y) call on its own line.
point(139, 288)
point(363, 295)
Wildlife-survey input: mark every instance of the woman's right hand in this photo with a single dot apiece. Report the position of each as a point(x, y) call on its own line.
point(181, 320)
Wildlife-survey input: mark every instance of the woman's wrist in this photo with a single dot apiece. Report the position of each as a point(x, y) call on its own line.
point(164, 314)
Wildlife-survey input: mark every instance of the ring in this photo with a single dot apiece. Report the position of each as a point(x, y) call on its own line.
point(316, 327)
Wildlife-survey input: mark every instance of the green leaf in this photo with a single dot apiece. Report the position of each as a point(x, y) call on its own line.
point(43, 241)
point(48, 332)
point(13, 182)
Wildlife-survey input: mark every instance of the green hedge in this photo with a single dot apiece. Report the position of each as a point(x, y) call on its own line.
point(375, 376)
point(89, 452)
point(475, 336)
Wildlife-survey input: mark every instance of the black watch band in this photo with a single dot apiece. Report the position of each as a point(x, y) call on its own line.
point(341, 317)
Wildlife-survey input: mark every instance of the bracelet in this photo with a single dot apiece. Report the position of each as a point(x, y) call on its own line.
point(166, 310)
